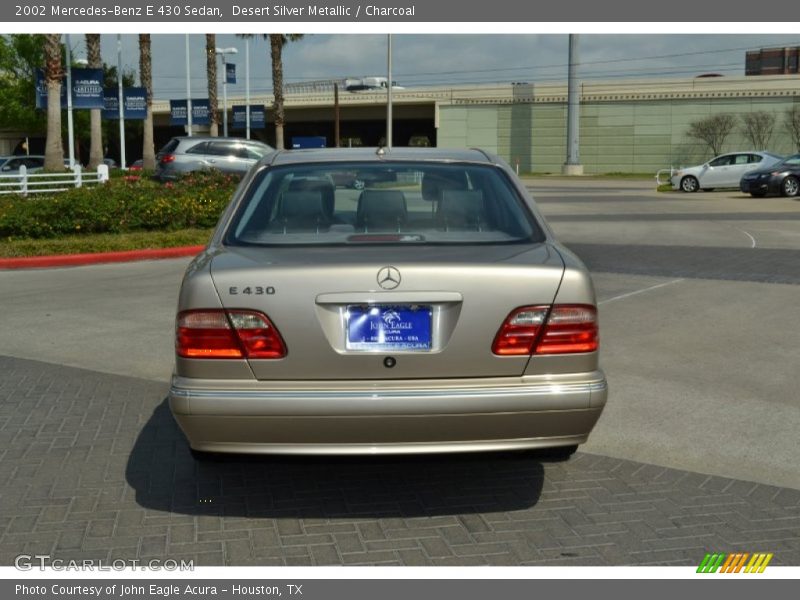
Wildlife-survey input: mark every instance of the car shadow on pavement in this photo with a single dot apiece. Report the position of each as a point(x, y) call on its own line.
point(167, 478)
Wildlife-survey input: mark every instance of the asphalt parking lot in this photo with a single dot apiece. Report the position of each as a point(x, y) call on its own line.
point(696, 451)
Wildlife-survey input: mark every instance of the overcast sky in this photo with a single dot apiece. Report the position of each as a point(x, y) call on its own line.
point(444, 58)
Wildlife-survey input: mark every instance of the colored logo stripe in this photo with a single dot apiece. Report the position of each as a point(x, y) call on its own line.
point(734, 562)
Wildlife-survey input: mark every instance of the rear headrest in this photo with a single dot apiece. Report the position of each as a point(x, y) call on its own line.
point(302, 206)
point(434, 183)
point(381, 209)
point(324, 186)
point(462, 209)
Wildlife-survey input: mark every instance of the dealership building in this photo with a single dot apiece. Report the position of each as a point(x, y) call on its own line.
point(626, 125)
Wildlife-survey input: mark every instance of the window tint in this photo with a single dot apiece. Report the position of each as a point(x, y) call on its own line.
point(722, 161)
point(255, 152)
point(169, 146)
point(742, 159)
point(223, 149)
point(200, 148)
point(408, 203)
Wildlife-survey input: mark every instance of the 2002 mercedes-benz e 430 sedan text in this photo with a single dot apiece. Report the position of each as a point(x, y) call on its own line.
point(427, 309)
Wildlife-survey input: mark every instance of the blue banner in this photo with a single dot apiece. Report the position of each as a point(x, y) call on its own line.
point(258, 116)
point(135, 99)
point(201, 115)
point(87, 89)
point(230, 72)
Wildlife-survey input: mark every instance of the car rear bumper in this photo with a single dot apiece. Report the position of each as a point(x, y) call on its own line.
point(394, 417)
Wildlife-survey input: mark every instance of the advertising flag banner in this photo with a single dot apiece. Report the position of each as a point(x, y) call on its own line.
point(135, 99)
point(258, 116)
point(87, 88)
point(201, 115)
point(230, 72)
point(41, 91)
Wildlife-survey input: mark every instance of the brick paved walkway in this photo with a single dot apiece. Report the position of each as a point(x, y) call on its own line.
point(93, 466)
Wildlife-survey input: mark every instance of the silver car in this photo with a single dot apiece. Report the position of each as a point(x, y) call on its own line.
point(10, 165)
point(430, 311)
point(185, 154)
point(724, 171)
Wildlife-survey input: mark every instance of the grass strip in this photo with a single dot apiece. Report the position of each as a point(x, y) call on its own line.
point(102, 242)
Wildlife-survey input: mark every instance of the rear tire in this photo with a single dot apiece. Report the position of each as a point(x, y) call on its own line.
point(790, 186)
point(690, 184)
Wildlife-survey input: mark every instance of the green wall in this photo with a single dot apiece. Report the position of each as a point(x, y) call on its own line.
point(623, 136)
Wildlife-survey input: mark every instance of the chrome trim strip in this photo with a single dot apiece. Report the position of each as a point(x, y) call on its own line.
point(482, 392)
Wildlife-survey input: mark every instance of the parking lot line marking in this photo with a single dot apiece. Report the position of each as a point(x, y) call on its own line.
point(641, 291)
point(752, 239)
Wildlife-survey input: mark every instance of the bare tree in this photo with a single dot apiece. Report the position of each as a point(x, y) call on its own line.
point(53, 71)
point(757, 127)
point(211, 76)
point(713, 130)
point(792, 122)
point(96, 123)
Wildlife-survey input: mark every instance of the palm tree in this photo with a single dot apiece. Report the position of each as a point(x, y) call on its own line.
point(276, 43)
point(95, 121)
point(53, 71)
point(146, 80)
point(211, 75)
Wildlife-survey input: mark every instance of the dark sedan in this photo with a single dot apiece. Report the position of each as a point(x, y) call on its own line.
point(782, 178)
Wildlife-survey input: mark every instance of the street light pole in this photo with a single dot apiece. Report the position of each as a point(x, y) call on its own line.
point(70, 126)
point(121, 99)
point(389, 94)
point(222, 52)
point(188, 90)
point(247, 87)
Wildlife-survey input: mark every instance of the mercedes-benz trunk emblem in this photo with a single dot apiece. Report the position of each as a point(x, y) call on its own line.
point(389, 278)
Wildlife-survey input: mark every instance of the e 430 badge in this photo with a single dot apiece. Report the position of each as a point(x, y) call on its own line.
point(255, 290)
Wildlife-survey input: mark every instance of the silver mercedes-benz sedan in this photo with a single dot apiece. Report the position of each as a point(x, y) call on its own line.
point(426, 309)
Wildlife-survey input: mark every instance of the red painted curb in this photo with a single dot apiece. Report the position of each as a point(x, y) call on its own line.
point(73, 260)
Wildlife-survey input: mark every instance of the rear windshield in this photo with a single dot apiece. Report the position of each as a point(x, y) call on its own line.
point(357, 203)
point(169, 146)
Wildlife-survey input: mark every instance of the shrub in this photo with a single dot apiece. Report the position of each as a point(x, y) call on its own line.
point(121, 205)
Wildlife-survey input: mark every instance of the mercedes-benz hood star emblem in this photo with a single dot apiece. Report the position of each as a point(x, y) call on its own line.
point(389, 278)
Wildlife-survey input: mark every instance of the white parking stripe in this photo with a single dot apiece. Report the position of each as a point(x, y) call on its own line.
point(641, 291)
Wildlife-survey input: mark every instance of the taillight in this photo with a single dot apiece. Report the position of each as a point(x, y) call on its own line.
point(519, 331)
point(167, 158)
point(227, 334)
point(561, 329)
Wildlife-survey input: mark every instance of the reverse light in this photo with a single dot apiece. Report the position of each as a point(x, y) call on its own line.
point(560, 329)
point(227, 334)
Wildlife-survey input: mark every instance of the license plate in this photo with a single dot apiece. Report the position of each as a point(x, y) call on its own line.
point(388, 328)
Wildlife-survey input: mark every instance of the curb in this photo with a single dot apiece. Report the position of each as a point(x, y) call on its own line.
point(74, 260)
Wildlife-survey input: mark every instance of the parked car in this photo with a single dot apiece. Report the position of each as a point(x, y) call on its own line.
point(432, 311)
point(185, 154)
point(136, 165)
point(781, 178)
point(724, 171)
point(9, 165)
